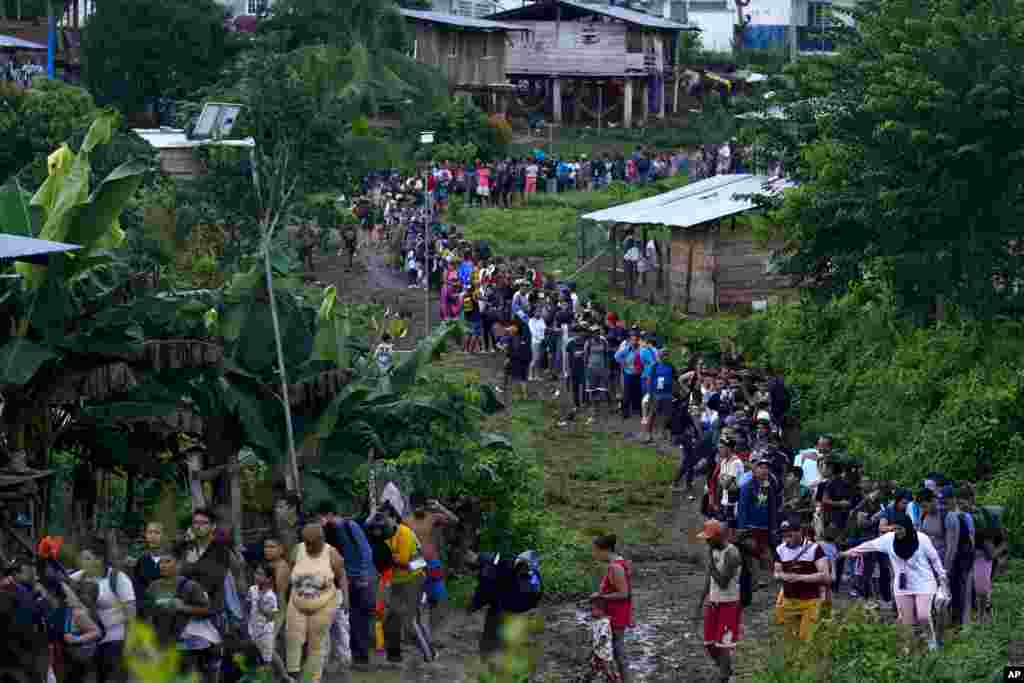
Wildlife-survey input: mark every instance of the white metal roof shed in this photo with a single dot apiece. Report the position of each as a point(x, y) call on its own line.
point(174, 138)
point(696, 203)
point(19, 44)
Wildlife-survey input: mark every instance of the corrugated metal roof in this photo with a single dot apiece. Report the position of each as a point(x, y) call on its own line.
point(30, 249)
point(173, 138)
point(628, 15)
point(19, 44)
point(696, 203)
point(460, 21)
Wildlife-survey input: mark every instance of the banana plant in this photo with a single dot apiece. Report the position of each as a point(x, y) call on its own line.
point(53, 309)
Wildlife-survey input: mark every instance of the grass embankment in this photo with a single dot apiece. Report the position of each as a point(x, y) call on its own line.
point(588, 483)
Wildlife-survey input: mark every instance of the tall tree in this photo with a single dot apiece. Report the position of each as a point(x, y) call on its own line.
point(136, 49)
point(908, 149)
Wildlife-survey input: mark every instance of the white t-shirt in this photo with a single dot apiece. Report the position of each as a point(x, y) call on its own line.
point(809, 465)
point(262, 610)
point(538, 328)
point(532, 170)
point(108, 603)
point(920, 569)
point(730, 468)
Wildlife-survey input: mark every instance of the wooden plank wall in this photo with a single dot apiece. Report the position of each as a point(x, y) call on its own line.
point(730, 260)
point(469, 65)
point(582, 48)
point(742, 267)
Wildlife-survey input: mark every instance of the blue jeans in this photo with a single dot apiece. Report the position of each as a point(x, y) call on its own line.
point(363, 598)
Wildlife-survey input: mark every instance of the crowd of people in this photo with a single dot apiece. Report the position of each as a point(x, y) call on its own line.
point(350, 587)
point(510, 182)
point(807, 522)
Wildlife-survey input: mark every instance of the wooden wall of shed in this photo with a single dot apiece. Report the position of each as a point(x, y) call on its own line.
point(743, 275)
point(581, 48)
point(731, 261)
point(469, 66)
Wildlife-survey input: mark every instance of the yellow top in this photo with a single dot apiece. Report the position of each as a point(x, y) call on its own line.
point(404, 548)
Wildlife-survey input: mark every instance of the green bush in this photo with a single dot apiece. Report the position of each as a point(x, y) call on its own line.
point(906, 399)
point(854, 646)
point(36, 121)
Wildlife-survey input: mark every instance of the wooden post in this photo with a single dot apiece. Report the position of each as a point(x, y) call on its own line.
point(661, 265)
point(661, 98)
point(235, 488)
point(615, 255)
point(643, 252)
point(647, 98)
point(627, 104)
point(689, 277)
point(556, 98)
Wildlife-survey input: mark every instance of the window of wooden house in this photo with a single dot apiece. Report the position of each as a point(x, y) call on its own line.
point(485, 46)
point(257, 6)
point(634, 40)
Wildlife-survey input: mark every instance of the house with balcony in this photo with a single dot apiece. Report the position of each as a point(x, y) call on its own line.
point(578, 60)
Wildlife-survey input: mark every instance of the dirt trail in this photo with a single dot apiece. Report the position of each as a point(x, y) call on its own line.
point(667, 644)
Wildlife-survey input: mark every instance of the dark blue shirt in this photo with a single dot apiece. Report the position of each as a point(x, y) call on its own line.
point(350, 540)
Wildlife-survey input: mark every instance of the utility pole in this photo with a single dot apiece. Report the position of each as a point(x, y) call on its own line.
point(793, 42)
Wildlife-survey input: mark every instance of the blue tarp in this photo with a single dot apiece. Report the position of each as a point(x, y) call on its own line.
point(760, 37)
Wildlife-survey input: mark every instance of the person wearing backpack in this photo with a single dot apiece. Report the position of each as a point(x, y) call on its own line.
point(659, 387)
point(82, 630)
point(180, 612)
point(959, 559)
point(505, 585)
point(115, 607)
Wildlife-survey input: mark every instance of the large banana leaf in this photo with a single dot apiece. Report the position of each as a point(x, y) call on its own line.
point(405, 372)
point(98, 224)
point(70, 213)
point(21, 359)
point(17, 216)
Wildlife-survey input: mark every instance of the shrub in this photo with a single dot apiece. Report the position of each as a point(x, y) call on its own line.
point(907, 400)
point(51, 112)
point(854, 646)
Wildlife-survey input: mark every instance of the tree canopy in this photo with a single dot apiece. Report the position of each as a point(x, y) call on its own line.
point(908, 147)
point(137, 49)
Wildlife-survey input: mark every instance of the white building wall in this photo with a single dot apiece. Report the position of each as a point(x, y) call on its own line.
point(716, 27)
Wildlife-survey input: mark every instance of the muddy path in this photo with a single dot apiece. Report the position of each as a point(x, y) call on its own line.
point(667, 643)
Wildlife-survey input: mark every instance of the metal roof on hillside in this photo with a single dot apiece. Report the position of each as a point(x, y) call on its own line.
point(700, 202)
point(539, 11)
point(459, 20)
point(19, 44)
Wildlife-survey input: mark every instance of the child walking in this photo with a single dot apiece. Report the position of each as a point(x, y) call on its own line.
point(602, 666)
point(263, 612)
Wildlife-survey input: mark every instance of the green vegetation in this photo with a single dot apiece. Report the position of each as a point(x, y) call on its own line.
point(133, 50)
point(908, 400)
point(909, 173)
point(35, 122)
point(855, 647)
point(547, 228)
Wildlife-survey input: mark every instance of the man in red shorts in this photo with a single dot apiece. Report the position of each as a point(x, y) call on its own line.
point(720, 601)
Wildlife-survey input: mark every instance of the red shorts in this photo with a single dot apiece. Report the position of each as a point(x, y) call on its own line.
point(531, 185)
point(723, 624)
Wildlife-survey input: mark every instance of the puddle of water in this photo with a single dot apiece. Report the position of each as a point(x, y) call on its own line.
point(641, 645)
